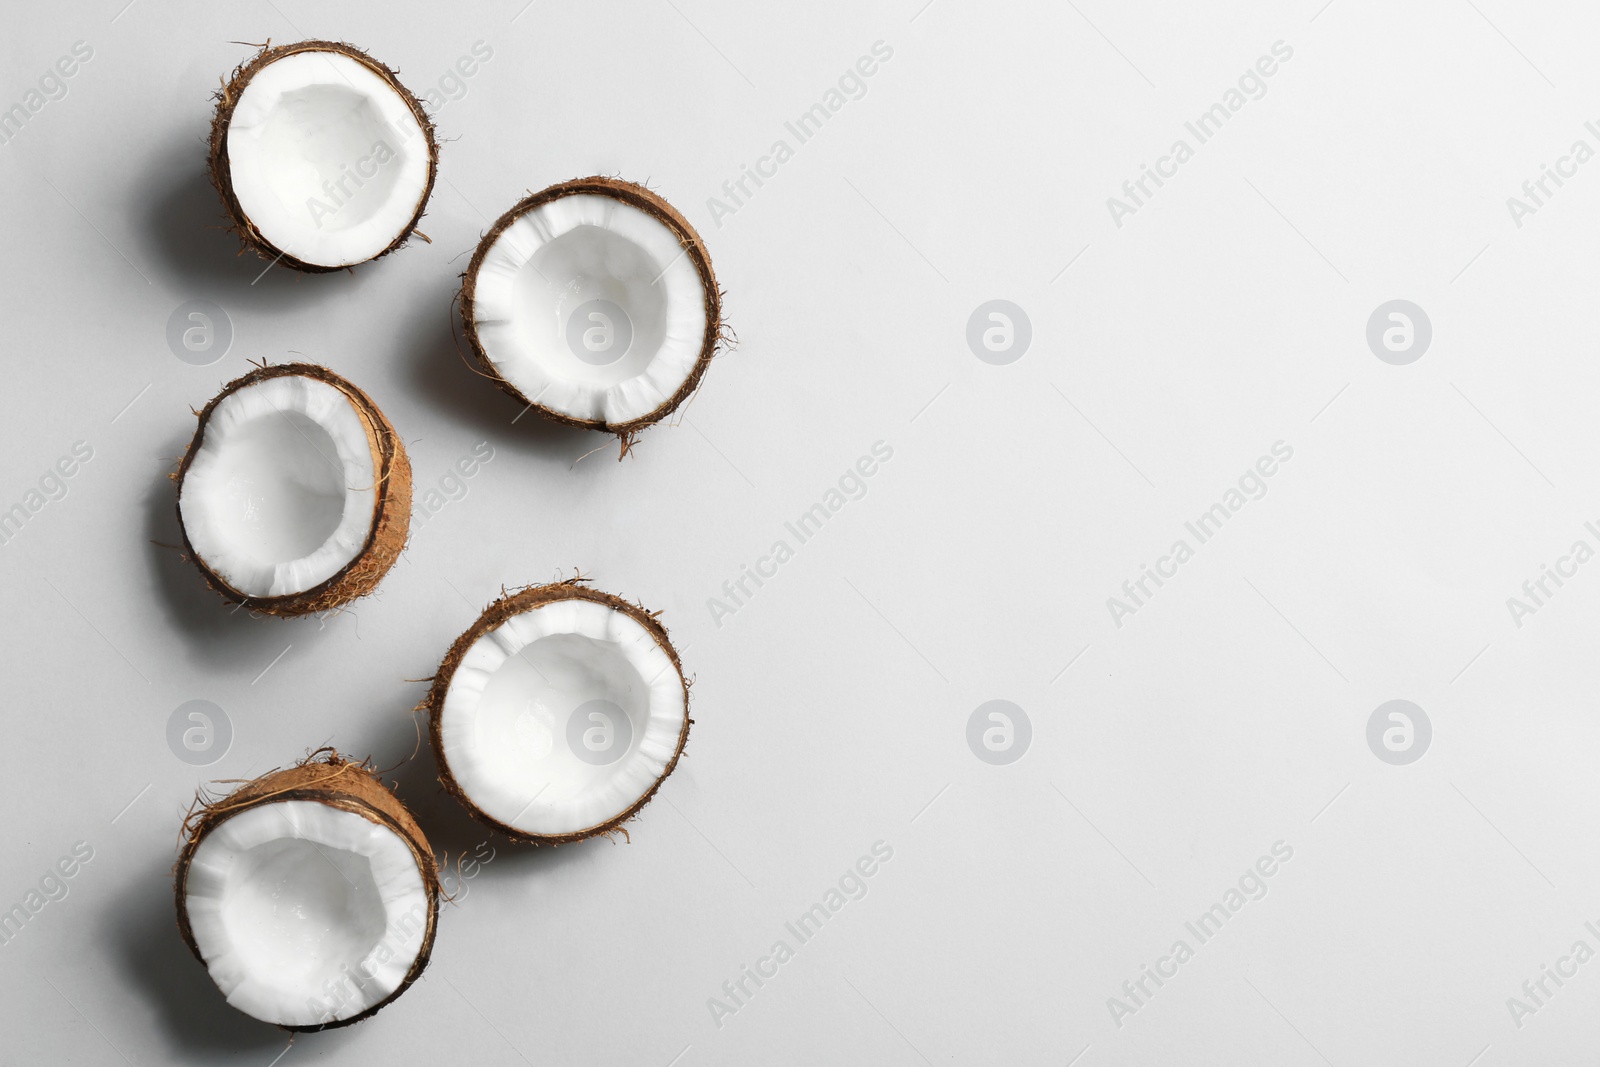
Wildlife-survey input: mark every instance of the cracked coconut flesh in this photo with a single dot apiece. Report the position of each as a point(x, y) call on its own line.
point(305, 914)
point(560, 256)
point(506, 722)
point(280, 495)
point(326, 159)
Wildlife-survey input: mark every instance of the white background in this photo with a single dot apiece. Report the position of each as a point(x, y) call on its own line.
point(1168, 354)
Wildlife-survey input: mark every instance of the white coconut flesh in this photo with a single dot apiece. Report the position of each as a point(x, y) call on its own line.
point(305, 914)
point(281, 493)
point(562, 718)
point(590, 307)
point(326, 159)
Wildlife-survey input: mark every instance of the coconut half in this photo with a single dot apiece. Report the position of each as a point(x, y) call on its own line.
point(310, 894)
point(594, 303)
point(559, 714)
point(323, 159)
point(295, 493)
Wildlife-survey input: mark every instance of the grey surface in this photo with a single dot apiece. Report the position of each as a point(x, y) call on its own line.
point(1168, 754)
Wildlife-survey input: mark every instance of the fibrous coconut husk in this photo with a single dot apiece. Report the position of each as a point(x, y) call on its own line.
point(327, 778)
point(516, 603)
point(716, 333)
point(227, 98)
point(391, 523)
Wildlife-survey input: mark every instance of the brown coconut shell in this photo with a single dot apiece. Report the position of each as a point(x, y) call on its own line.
point(650, 203)
point(391, 517)
point(517, 603)
point(327, 778)
point(227, 99)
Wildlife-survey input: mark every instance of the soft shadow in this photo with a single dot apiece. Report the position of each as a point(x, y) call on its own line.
point(214, 630)
point(451, 832)
point(187, 228)
point(442, 369)
point(152, 959)
point(150, 956)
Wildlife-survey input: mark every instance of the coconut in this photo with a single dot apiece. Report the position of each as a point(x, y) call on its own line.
point(295, 494)
point(559, 713)
point(594, 303)
point(322, 158)
point(310, 894)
